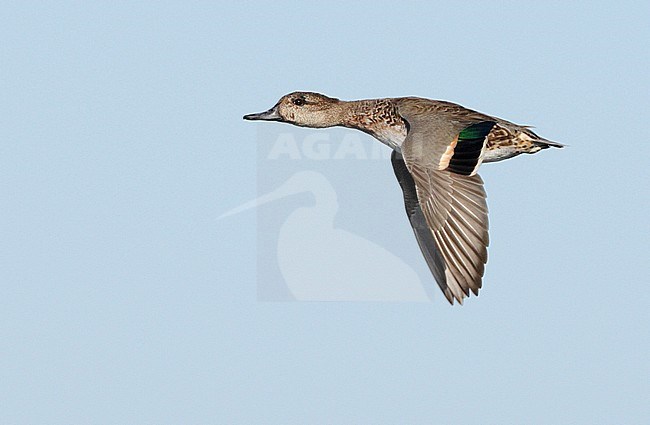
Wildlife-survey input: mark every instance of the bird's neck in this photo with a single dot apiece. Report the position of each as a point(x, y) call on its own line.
point(359, 114)
point(377, 117)
point(370, 115)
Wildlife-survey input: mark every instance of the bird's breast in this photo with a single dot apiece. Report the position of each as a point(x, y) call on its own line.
point(391, 135)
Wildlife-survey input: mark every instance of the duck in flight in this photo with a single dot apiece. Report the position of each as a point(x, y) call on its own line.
point(438, 148)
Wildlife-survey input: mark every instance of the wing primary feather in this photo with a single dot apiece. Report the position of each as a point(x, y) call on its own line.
point(465, 265)
point(461, 276)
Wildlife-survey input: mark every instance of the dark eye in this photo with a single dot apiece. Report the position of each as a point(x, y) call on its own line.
point(299, 101)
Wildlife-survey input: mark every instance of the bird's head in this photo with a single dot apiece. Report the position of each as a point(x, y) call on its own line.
point(304, 109)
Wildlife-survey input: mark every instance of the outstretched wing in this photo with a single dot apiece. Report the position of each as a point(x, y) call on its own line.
point(455, 211)
point(423, 233)
point(442, 156)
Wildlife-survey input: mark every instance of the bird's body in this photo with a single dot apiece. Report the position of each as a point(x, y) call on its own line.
point(380, 119)
point(438, 147)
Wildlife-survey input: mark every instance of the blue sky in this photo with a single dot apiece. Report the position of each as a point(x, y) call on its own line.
point(125, 299)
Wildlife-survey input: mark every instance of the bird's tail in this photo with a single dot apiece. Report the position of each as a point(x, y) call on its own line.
point(544, 144)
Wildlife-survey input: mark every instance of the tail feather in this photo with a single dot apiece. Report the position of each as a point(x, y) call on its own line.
point(537, 140)
point(544, 144)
